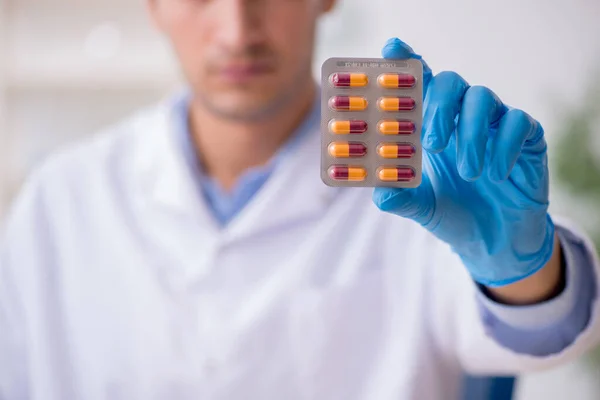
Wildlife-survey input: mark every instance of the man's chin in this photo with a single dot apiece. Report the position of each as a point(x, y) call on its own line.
point(242, 107)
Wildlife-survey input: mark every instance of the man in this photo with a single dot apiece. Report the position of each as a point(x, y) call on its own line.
point(192, 252)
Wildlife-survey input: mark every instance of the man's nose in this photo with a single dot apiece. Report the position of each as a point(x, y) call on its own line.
point(241, 23)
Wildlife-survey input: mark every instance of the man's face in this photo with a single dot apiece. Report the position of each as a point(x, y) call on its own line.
point(242, 58)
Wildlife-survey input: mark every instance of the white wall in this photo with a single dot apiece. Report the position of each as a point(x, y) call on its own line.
point(535, 54)
point(69, 68)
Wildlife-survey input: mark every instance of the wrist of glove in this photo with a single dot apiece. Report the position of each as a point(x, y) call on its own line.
point(498, 261)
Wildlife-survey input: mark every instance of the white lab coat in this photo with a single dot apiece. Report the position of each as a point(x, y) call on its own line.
point(117, 284)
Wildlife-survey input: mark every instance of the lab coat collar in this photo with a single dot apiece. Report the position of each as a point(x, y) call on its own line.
point(293, 193)
point(165, 178)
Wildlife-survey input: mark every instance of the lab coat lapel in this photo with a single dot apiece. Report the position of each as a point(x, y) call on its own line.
point(169, 181)
point(293, 193)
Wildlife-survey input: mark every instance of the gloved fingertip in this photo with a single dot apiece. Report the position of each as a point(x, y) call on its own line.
point(396, 48)
point(397, 42)
point(432, 143)
point(433, 148)
point(470, 161)
point(499, 168)
point(496, 175)
point(387, 199)
point(439, 127)
point(470, 178)
point(468, 172)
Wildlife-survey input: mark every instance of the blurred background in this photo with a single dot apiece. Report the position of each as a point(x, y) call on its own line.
point(70, 67)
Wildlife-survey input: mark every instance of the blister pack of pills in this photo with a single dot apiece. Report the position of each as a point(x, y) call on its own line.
point(371, 118)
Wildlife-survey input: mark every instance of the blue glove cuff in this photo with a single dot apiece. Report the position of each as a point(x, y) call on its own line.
point(523, 265)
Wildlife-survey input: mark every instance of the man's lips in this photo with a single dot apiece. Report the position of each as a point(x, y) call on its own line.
point(244, 72)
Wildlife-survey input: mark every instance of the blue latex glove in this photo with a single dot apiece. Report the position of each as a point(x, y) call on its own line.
point(485, 179)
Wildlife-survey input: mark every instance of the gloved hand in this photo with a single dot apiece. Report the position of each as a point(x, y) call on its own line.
point(485, 179)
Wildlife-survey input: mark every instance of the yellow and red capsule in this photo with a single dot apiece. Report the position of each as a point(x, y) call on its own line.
point(396, 150)
point(396, 103)
point(396, 127)
point(396, 81)
point(349, 79)
point(347, 149)
point(346, 127)
point(347, 173)
point(348, 103)
point(395, 174)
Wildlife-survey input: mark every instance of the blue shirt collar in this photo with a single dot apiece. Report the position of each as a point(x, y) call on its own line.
point(226, 205)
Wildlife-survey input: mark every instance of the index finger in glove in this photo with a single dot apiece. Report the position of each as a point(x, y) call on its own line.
point(396, 49)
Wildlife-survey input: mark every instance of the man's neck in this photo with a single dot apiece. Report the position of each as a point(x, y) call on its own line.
point(228, 148)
